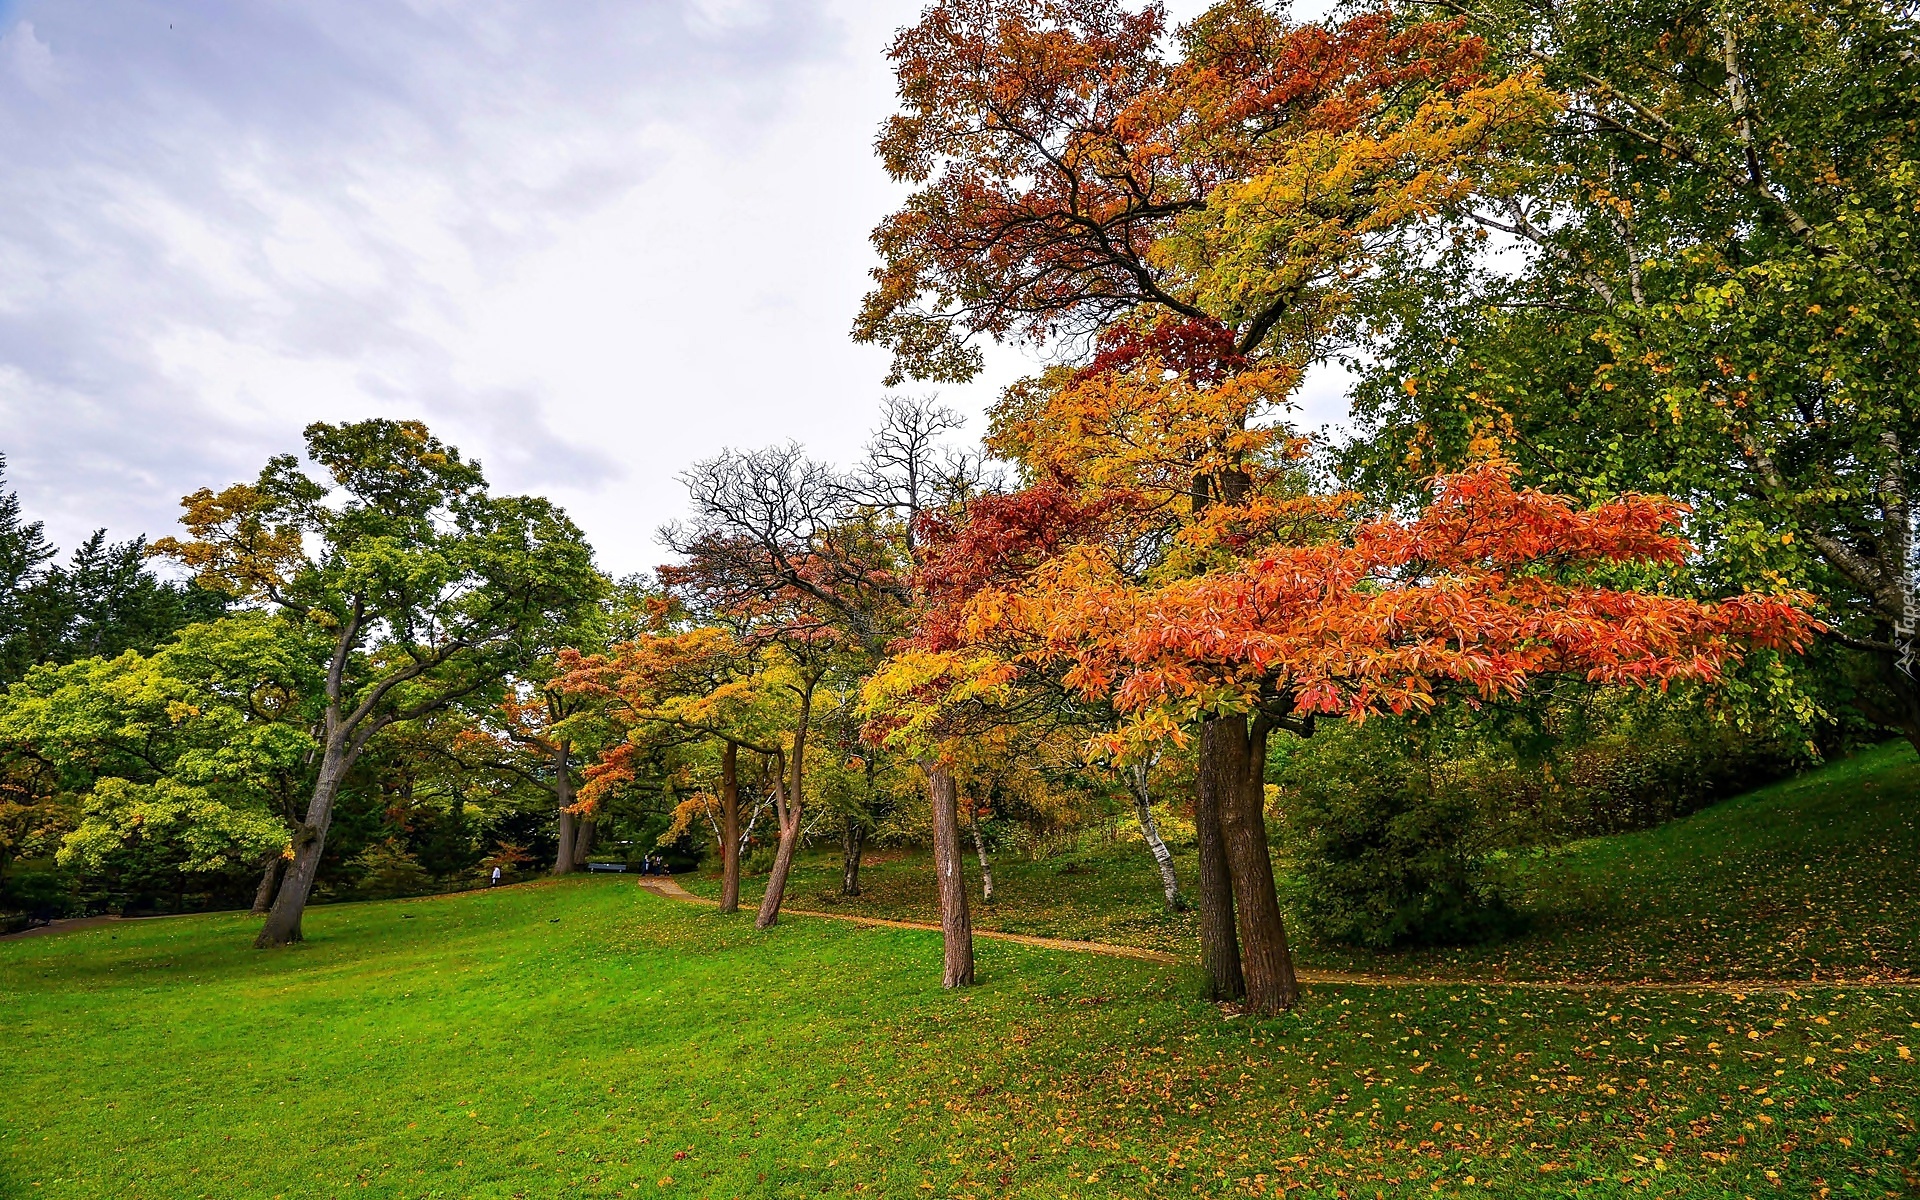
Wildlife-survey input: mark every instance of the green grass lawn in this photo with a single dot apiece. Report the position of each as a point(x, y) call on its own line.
point(1813, 877)
point(586, 1038)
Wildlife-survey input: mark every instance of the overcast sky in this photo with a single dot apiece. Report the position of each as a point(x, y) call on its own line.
point(587, 242)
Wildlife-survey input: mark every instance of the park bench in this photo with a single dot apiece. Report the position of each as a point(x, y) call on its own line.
point(594, 866)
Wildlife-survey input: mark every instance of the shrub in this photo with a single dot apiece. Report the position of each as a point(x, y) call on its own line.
point(1391, 822)
point(387, 871)
point(34, 893)
point(758, 860)
point(1382, 856)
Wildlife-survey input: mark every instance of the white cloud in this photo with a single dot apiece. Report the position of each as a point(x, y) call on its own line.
point(31, 60)
point(589, 242)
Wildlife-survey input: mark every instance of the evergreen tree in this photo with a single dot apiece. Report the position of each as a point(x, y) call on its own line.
point(23, 553)
point(102, 602)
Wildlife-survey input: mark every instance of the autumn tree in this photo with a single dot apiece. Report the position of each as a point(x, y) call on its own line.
point(530, 734)
point(430, 589)
point(699, 683)
point(817, 564)
point(1488, 588)
point(1191, 215)
point(756, 557)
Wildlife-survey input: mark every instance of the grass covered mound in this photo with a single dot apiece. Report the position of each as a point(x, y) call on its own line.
point(585, 1038)
point(1810, 878)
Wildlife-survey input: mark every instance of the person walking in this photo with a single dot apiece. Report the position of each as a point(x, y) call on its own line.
point(496, 877)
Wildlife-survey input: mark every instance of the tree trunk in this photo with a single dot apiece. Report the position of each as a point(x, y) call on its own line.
point(956, 926)
point(730, 828)
point(853, 840)
point(769, 913)
point(563, 859)
point(282, 926)
point(270, 878)
point(789, 809)
point(986, 868)
point(583, 841)
point(1219, 946)
point(1143, 808)
point(1265, 960)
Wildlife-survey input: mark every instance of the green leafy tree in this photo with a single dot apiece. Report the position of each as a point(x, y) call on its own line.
point(185, 761)
point(431, 590)
point(23, 554)
point(1701, 281)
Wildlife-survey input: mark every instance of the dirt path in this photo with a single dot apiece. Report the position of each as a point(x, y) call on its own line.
point(661, 885)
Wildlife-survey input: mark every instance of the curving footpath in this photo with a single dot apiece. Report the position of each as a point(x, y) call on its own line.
point(664, 886)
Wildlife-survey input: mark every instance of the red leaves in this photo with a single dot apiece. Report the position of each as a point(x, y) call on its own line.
point(1055, 147)
point(1479, 518)
point(1201, 350)
point(1488, 588)
point(1005, 538)
point(1265, 72)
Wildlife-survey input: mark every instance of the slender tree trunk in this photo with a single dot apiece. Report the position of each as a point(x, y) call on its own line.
point(770, 901)
point(730, 828)
point(270, 878)
point(1219, 946)
point(853, 840)
point(282, 926)
point(1143, 808)
point(789, 818)
point(956, 925)
point(583, 841)
point(986, 867)
point(1265, 960)
point(563, 859)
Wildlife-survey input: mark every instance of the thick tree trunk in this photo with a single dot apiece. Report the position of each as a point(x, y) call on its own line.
point(853, 841)
point(270, 878)
point(956, 925)
point(282, 926)
point(1266, 963)
point(583, 841)
point(1219, 945)
point(563, 859)
point(730, 828)
point(986, 867)
point(1143, 808)
point(789, 810)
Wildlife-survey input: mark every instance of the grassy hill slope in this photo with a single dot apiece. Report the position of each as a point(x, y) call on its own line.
point(1810, 878)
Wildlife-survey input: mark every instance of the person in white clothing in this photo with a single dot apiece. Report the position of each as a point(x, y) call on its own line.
point(496, 877)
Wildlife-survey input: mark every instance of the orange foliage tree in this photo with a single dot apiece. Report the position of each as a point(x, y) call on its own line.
point(701, 683)
point(1486, 589)
point(1196, 222)
point(1068, 172)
